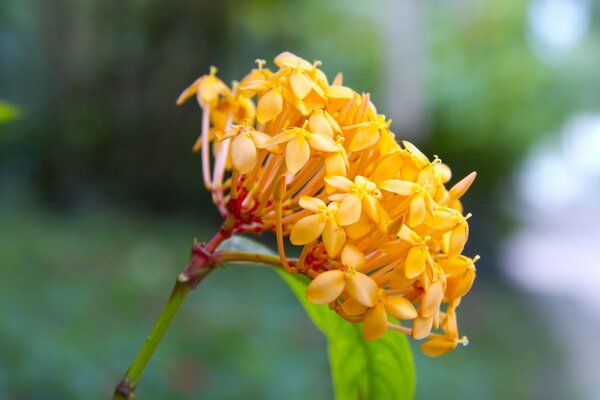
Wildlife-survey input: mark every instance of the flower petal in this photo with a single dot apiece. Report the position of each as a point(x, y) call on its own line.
point(458, 238)
point(321, 142)
point(422, 327)
point(400, 308)
point(372, 208)
point(350, 210)
point(438, 346)
point(297, 153)
point(339, 182)
point(312, 204)
point(364, 137)
point(334, 238)
point(243, 154)
point(417, 212)
point(430, 304)
point(319, 124)
point(352, 307)
point(361, 288)
point(269, 106)
point(307, 229)
point(415, 262)
point(352, 257)
point(359, 228)
point(403, 188)
point(326, 287)
point(375, 323)
point(300, 83)
point(335, 165)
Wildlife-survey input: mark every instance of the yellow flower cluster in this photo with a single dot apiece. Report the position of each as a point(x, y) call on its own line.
point(312, 161)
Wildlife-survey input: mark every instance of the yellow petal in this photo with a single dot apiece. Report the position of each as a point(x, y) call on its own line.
point(443, 171)
point(422, 327)
point(282, 137)
point(359, 228)
point(422, 158)
point(458, 238)
point(350, 210)
point(259, 138)
point(372, 208)
point(339, 182)
point(400, 308)
point(319, 124)
point(335, 165)
point(326, 287)
point(460, 286)
point(243, 154)
point(375, 323)
point(415, 262)
point(307, 229)
point(323, 143)
point(438, 346)
point(300, 83)
point(339, 92)
point(334, 238)
point(332, 122)
point(352, 257)
point(403, 188)
point(352, 307)
point(443, 220)
point(189, 91)
point(361, 288)
point(297, 153)
point(417, 212)
point(312, 204)
point(269, 106)
point(287, 59)
point(364, 137)
point(461, 187)
point(430, 304)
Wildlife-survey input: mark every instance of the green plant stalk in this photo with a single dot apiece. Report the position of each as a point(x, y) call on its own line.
point(200, 265)
point(203, 261)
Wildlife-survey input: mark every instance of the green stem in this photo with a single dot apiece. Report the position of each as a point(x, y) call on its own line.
point(201, 264)
point(204, 260)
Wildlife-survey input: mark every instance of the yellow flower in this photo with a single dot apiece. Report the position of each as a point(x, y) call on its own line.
point(362, 194)
point(328, 286)
point(244, 146)
point(299, 142)
point(382, 236)
point(323, 222)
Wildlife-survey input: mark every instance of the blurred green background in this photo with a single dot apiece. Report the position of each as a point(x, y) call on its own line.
point(101, 197)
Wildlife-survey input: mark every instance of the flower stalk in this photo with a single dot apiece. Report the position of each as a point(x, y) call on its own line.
point(204, 259)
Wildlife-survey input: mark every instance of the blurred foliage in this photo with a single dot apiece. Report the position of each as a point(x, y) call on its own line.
point(97, 80)
point(8, 112)
point(81, 289)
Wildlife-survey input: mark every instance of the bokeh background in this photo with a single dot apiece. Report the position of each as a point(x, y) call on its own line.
point(100, 195)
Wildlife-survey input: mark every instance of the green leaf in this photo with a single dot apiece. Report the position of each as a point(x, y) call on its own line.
point(382, 369)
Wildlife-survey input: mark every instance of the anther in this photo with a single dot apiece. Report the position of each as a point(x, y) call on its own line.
point(260, 62)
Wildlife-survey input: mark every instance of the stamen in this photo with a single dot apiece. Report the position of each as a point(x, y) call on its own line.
point(260, 62)
point(463, 340)
point(213, 70)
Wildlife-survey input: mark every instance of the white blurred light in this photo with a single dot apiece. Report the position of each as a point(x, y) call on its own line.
point(559, 174)
point(582, 143)
point(557, 25)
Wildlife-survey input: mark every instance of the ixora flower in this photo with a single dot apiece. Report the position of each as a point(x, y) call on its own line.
point(286, 151)
point(381, 235)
